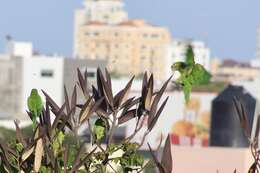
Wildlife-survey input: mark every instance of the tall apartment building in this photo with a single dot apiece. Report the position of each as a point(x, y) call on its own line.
point(177, 52)
point(20, 71)
point(258, 43)
point(129, 46)
point(255, 62)
point(101, 11)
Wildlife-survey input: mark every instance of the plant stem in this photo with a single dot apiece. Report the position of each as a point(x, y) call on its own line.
point(143, 139)
point(137, 129)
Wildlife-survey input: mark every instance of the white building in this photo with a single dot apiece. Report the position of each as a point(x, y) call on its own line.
point(21, 71)
point(23, 49)
point(177, 51)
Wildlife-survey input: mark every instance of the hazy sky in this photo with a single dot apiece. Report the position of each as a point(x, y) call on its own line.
point(227, 26)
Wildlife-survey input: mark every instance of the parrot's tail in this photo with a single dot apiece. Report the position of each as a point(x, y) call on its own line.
point(34, 122)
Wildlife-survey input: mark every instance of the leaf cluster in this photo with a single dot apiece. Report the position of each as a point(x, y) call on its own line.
point(46, 150)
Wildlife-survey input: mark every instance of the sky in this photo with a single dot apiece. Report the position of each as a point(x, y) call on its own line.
point(227, 26)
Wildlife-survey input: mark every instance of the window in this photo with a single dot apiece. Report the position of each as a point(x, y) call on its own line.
point(96, 34)
point(47, 73)
point(154, 35)
point(91, 74)
point(143, 47)
point(145, 35)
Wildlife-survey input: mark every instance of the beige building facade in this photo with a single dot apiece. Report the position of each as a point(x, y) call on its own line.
point(235, 73)
point(130, 47)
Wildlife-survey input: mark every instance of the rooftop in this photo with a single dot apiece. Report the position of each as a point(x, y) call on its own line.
point(131, 23)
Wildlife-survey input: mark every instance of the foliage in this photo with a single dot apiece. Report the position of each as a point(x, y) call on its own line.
point(7, 134)
point(52, 148)
point(254, 140)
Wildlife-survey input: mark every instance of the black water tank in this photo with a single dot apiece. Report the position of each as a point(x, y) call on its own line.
point(225, 127)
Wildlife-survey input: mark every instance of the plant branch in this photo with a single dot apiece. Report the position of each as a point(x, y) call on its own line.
point(143, 139)
point(137, 129)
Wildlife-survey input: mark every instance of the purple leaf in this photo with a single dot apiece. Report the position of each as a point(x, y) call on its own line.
point(167, 156)
point(155, 119)
point(67, 102)
point(127, 116)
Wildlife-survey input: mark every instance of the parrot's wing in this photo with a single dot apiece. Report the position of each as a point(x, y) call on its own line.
point(190, 57)
point(31, 104)
point(200, 75)
point(39, 104)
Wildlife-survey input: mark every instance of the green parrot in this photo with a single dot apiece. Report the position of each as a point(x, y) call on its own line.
point(191, 73)
point(35, 105)
point(100, 129)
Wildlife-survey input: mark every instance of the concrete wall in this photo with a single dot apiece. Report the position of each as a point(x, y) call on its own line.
point(10, 85)
point(35, 72)
point(210, 160)
point(23, 49)
point(70, 72)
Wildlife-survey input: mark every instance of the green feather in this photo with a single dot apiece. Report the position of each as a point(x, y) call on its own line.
point(190, 56)
point(200, 75)
point(35, 105)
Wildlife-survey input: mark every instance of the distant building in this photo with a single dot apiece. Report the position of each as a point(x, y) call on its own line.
point(177, 52)
point(215, 63)
point(24, 49)
point(258, 44)
point(19, 74)
point(129, 46)
point(230, 71)
point(103, 11)
point(255, 62)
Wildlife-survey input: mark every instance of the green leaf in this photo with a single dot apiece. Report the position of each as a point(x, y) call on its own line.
point(112, 148)
point(57, 142)
point(19, 147)
point(44, 169)
point(100, 129)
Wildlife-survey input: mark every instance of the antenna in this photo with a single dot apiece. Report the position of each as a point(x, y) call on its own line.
point(8, 37)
